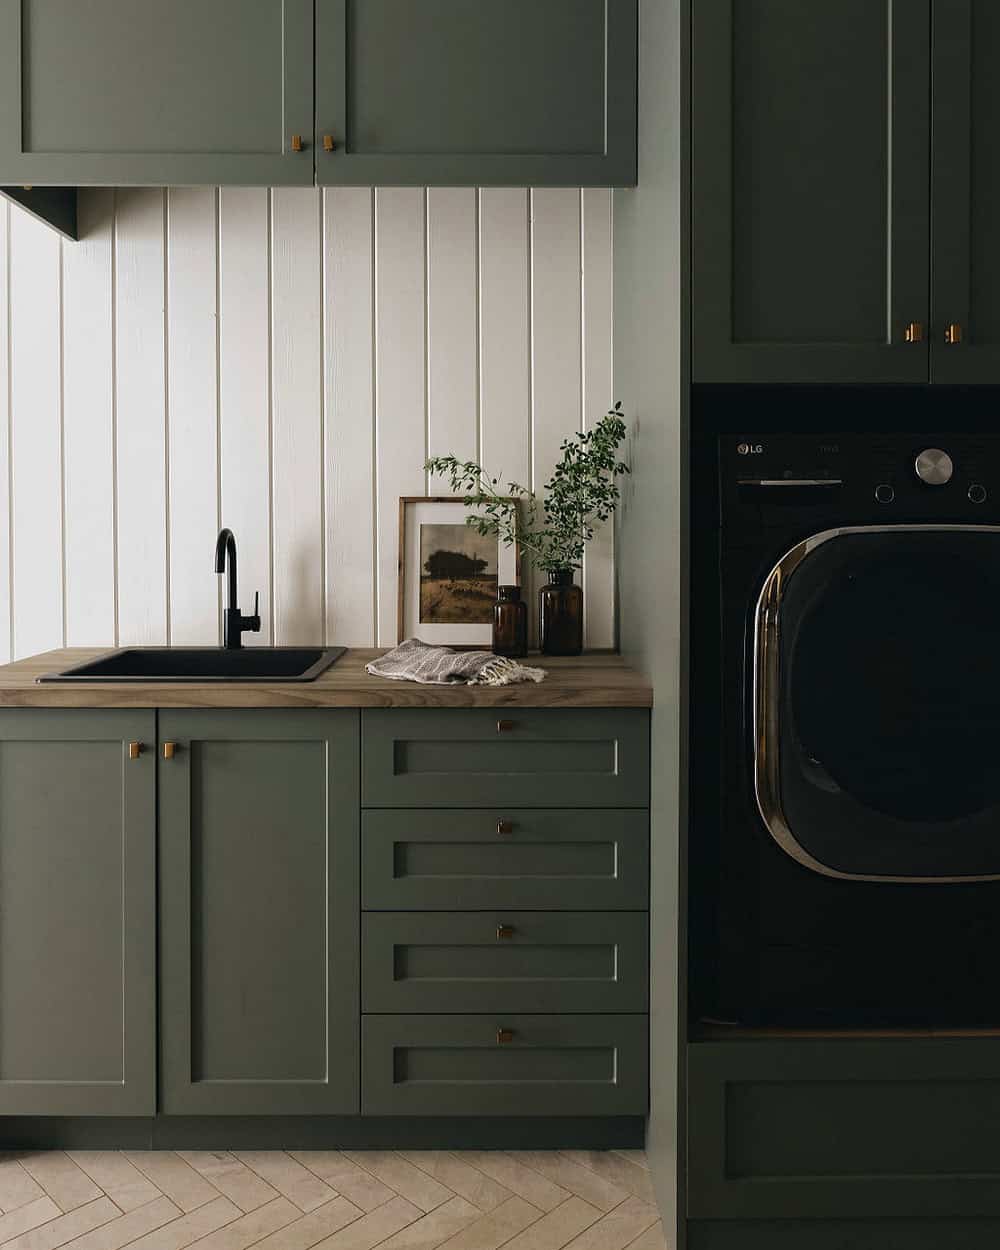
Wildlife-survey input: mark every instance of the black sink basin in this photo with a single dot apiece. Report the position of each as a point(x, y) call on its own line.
point(204, 664)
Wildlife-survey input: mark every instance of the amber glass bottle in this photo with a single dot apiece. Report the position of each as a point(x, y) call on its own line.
point(510, 623)
point(561, 614)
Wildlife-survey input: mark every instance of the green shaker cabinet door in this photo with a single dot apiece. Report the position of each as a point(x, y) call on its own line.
point(965, 344)
point(77, 913)
point(190, 91)
point(259, 912)
point(509, 92)
point(810, 170)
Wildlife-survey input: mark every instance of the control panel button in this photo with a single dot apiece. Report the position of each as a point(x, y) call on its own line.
point(934, 467)
point(977, 493)
point(884, 493)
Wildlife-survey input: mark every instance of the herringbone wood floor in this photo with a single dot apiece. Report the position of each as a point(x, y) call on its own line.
point(327, 1200)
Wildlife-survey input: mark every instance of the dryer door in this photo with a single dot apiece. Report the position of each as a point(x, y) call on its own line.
point(876, 700)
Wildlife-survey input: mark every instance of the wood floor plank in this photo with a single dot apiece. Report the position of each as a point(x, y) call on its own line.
point(191, 1227)
point(617, 1167)
point(309, 1230)
point(583, 1182)
point(651, 1239)
point(288, 1177)
point(231, 1177)
point(354, 1183)
point(173, 1177)
point(454, 1173)
point(66, 1184)
point(374, 1228)
point(434, 1228)
point(122, 1181)
point(557, 1227)
point(251, 1228)
point(29, 1216)
point(65, 1228)
point(513, 1175)
point(16, 1187)
point(402, 1177)
point(495, 1228)
point(618, 1229)
point(128, 1228)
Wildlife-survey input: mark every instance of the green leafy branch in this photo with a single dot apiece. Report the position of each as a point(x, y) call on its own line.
point(553, 530)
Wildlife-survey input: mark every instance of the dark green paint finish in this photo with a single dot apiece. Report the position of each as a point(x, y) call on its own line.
point(554, 1065)
point(522, 758)
point(527, 92)
point(834, 1234)
point(56, 206)
point(505, 961)
point(77, 913)
point(190, 92)
point(259, 907)
point(548, 859)
point(837, 1129)
point(810, 167)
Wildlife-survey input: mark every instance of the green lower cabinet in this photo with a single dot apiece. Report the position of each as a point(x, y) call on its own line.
point(259, 912)
point(503, 1064)
point(77, 913)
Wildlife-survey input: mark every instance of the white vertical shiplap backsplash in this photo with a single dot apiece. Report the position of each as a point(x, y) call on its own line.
point(281, 362)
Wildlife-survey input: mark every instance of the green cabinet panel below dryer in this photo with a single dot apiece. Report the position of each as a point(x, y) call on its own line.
point(286, 93)
point(275, 993)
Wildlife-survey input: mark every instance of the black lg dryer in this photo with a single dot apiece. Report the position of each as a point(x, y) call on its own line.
point(845, 838)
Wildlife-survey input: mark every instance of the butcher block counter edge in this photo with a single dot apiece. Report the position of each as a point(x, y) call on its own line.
point(599, 679)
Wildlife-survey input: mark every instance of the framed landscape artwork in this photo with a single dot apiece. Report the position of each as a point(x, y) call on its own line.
point(448, 574)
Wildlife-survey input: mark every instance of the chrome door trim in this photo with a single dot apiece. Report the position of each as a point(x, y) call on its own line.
point(766, 702)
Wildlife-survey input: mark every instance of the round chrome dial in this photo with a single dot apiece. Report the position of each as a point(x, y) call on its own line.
point(934, 467)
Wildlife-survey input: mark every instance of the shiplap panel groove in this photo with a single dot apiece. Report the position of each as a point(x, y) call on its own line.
point(87, 385)
point(36, 444)
point(244, 389)
point(297, 450)
point(192, 388)
point(280, 364)
point(141, 417)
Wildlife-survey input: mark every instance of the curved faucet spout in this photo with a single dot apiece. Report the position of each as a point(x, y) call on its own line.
point(225, 548)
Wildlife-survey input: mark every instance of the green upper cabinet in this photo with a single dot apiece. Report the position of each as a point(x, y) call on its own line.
point(148, 92)
point(510, 92)
point(259, 912)
point(810, 170)
point(77, 912)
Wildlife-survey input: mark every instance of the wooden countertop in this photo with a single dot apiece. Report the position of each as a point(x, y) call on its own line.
point(596, 680)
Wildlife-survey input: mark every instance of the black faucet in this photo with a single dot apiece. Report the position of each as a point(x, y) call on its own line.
point(235, 624)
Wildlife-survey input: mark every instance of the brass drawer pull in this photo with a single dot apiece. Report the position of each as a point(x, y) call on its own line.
point(953, 333)
point(135, 750)
point(504, 726)
point(168, 750)
point(296, 143)
point(914, 332)
point(328, 144)
point(505, 1037)
point(504, 932)
point(505, 826)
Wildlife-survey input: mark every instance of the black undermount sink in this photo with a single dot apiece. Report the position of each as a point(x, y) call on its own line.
point(204, 664)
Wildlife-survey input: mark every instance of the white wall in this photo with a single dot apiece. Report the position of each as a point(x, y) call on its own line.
point(281, 362)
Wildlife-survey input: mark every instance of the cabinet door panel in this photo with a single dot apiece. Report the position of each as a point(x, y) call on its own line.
point(195, 91)
point(77, 913)
point(259, 912)
point(446, 91)
point(810, 173)
point(966, 191)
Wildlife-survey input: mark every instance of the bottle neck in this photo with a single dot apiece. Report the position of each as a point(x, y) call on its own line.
point(561, 577)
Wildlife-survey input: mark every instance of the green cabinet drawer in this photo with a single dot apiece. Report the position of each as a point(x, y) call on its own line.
point(504, 961)
point(466, 860)
point(504, 1065)
point(479, 757)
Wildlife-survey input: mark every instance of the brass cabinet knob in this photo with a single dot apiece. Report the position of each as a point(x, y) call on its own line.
point(953, 332)
point(168, 750)
point(134, 750)
point(504, 726)
point(504, 932)
point(505, 1037)
point(914, 332)
point(328, 144)
point(505, 826)
point(296, 143)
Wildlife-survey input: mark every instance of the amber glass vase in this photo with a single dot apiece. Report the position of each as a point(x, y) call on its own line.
point(560, 614)
point(510, 623)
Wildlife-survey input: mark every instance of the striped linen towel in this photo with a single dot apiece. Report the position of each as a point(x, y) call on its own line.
point(414, 660)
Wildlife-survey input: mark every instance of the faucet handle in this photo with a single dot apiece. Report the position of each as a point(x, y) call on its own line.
point(255, 619)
